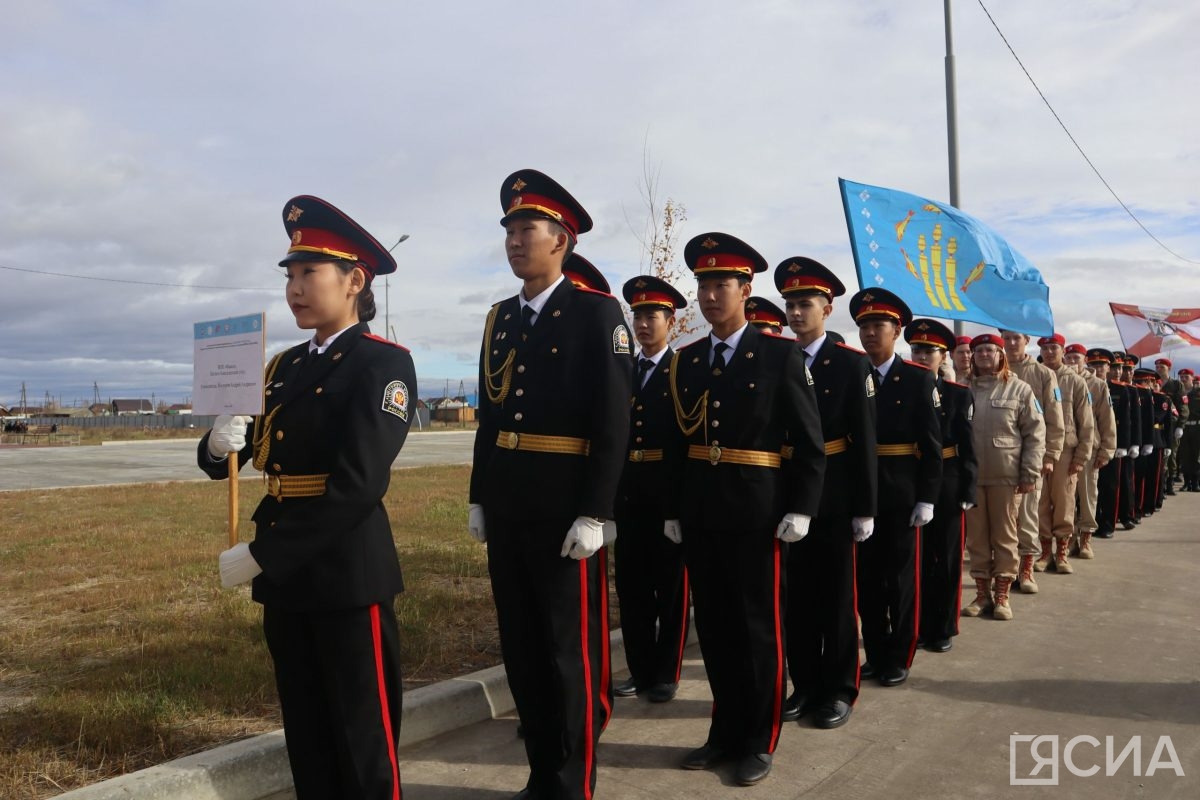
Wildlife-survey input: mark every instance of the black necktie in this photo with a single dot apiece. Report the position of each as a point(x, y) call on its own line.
point(878, 378)
point(644, 366)
point(526, 318)
point(719, 355)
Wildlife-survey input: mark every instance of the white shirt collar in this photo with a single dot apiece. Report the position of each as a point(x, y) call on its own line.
point(732, 341)
point(815, 346)
point(886, 366)
point(539, 302)
point(657, 357)
point(313, 347)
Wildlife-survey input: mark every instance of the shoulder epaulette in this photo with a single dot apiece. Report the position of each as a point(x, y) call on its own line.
point(590, 290)
point(915, 364)
point(691, 344)
point(845, 346)
point(373, 337)
point(774, 335)
point(959, 385)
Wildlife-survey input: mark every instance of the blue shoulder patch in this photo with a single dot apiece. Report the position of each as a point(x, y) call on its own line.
point(1038, 405)
point(1057, 394)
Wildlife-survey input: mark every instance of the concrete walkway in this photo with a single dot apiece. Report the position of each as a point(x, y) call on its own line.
point(1110, 651)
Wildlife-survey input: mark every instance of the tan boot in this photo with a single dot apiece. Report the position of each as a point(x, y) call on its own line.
point(1085, 545)
point(983, 599)
point(1002, 610)
point(1025, 576)
point(1074, 545)
point(1043, 560)
point(1062, 565)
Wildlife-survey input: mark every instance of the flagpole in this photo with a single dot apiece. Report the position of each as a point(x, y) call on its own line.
point(951, 125)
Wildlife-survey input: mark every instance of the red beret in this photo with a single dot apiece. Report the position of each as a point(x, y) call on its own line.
point(1077, 348)
point(961, 340)
point(987, 338)
point(1185, 371)
point(1057, 338)
point(1165, 361)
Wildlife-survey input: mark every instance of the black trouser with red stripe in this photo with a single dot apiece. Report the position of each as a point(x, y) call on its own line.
point(889, 590)
point(941, 570)
point(737, 587)
point(338, 677)
point(553, 626)
point(822, 615)
point(652, 585)
point(1127, 502)
point(1148, 471)
point(1109, 486)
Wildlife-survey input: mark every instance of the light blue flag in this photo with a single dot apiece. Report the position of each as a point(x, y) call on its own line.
point(942, 262)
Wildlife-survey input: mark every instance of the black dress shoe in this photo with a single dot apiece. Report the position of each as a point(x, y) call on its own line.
point(662, 692)
point(893, 676)
point(753, 768)
point(939, 645)
point(832, 715)
point(626, 689)
point(866, 672)
point(794, 708)
point(1103, 534)
point(702, 757)
point(1128, 524)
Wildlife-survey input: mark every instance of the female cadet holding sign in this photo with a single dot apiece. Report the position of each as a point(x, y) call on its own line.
point(323, 562)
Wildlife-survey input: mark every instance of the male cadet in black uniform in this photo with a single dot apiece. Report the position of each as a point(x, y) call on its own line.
point(909, 436)
point(1173, 389)
point(821, 617)
point(765, 315)
point(1150, 450)
point(1189, 442)
point(1108, 481)
point(555, 369)
point(942, 538)
point(1164, 424)
point(1127, 501)
point(651, 581)
point(739, 395)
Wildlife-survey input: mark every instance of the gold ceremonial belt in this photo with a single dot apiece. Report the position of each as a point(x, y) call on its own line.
point(750, 458)
point(535, 443)
point(281, 486)
point(1158, 427)
point(898, 449)
point(637, 456)
point(950, 452)
point(831, 448)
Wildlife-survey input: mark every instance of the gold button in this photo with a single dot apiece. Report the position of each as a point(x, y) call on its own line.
point(554, 350)
point(826, 391)
point(495, 352)
point(272, 524)
point(267, 392)
point(277, 468)
point(638, 440)
point(520, 392)
point(716, 403)
point(752, 386)
point(716, 423)
point(279, 435)
point(638, 423)
point(639, 408)
point(521, 368)
point(518, 416)
point(716, 443)
point(319, 390)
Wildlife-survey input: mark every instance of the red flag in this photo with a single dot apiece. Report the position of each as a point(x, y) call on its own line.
point(1146, 331)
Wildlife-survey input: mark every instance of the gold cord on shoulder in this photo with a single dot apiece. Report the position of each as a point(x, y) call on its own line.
point(496, 392)
point(691, 420)
point(261, 441)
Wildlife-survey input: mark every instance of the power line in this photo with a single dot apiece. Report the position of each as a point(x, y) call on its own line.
point(1063, 125)
point(140, 283)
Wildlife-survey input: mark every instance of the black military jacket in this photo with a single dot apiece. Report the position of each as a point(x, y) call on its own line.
point(1147, 415)
point(1163, 419)
point(572, 378)
point(762, 398)
point(958, 473)
point(906, 414)
point(345, 414)
point(652, 422)
point(845, 395)
point(1118, 395)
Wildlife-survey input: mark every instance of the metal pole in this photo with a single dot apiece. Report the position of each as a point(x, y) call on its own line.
point(387, 300)
point(951, 125)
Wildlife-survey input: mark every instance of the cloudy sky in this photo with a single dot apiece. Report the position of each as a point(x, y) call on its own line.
point(148, 148)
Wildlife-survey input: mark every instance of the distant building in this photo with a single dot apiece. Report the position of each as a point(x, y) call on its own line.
point(100, 409)
point(4, 412)
point(132, 408)
point(179, 408)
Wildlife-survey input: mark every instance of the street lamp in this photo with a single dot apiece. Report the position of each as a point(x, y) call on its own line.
point(387, 310)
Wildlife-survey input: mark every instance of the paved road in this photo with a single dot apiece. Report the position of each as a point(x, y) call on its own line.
point(174, 460)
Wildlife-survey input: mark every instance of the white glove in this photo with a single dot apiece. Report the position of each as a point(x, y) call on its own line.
point(1179, 433)
point(965, 506)
point(921, 515)
point(228, 436)
point(793, 527)
point(584, 539)
point(1147, 449)
point(475, 522)
point(1120, 452)
point(672, 531)
point(863, 527)
point(237, 565)
point(1134, 451)
point(610, 532)
point(1166, 451)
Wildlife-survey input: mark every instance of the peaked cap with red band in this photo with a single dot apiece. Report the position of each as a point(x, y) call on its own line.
point(802, 275)
point(1057, 339)
point(531, 193)
point(584, 274)
point(319, 231)
point(713, 255)
point(869, 304)
point(763, 313)
point(987, 338)
point(647, 291)
point(928, 333)
point(1098, 355)
point(1144, 374)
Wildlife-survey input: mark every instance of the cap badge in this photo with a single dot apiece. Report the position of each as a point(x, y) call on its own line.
point(516, 201)
point(708, 244)
point(519, 185)
point(641, 284)
point(868, 297)
point(294, 213)
point(641, 297)
point(712, 261)
point(296, 237)
point(752, 305)
point(923, 327)
point(794, 267)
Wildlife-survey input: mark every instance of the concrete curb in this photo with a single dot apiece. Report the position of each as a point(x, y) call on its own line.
point(257, 768)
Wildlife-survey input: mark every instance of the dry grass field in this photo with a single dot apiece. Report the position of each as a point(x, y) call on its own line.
point(119, 649)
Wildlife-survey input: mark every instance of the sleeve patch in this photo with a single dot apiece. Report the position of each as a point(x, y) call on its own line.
point(620, 340)
point(1057, 394)
point(870, 386)
point(937, 398)
point(395, 400)
point(1038, 405)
